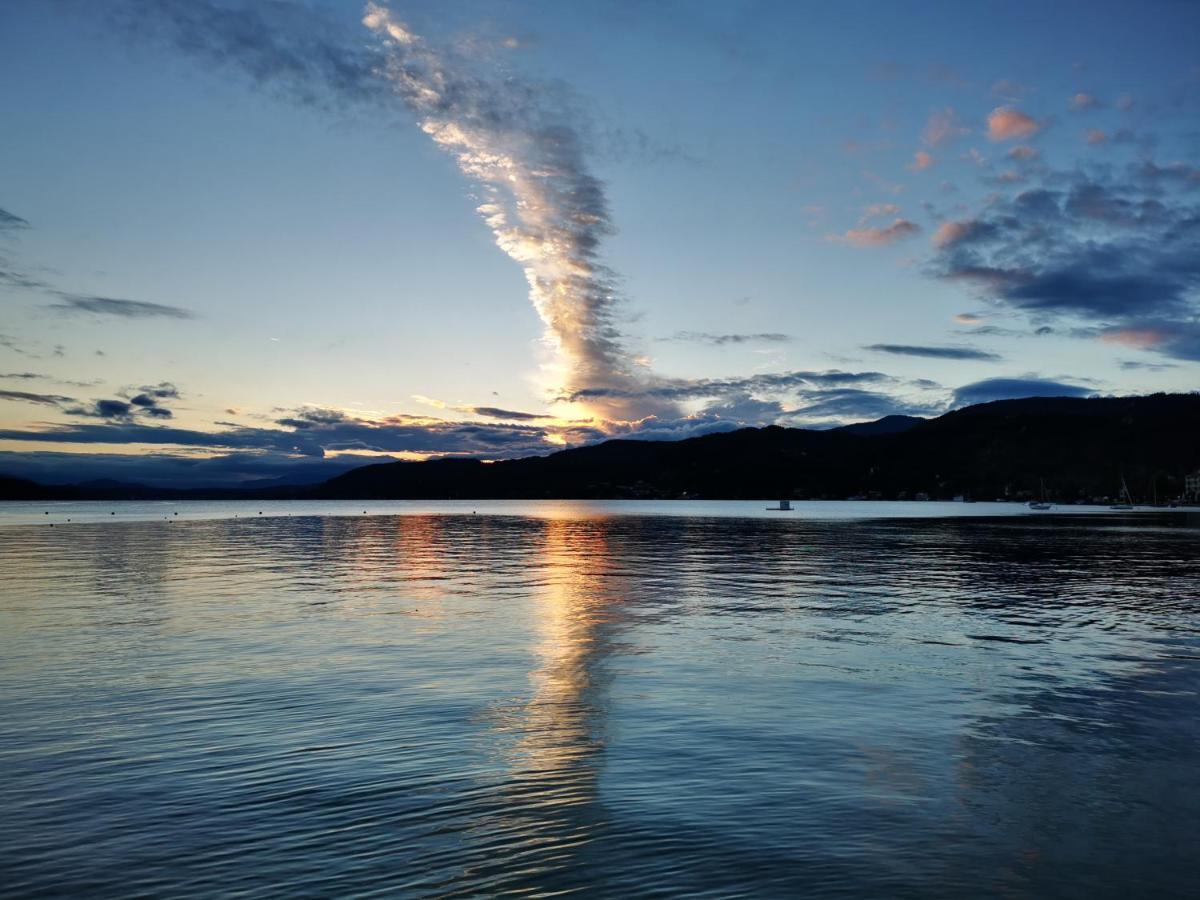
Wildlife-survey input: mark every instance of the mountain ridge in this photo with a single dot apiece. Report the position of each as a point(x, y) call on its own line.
point(1080, 448)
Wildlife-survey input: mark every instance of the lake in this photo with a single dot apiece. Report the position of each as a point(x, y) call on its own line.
point(622, 699)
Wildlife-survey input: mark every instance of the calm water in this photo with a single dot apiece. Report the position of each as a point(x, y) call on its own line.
point(559, 699)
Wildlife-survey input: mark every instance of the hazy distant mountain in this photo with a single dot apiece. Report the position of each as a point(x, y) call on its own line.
point(1080, 448)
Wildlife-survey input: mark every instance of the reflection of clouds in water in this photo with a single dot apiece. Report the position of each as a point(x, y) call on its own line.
point(479, 704)
point(551, 742)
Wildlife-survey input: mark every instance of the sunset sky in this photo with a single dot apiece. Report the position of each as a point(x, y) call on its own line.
point(278, 239)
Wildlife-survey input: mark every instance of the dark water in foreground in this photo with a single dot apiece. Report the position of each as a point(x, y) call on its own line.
point(470, 705)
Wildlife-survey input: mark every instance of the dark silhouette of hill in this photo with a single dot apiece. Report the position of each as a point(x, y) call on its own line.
point(886, 425)
point(1079, 447)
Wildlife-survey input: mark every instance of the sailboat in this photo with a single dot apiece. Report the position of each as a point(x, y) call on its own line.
point(1042, 503)
point(1125, 501)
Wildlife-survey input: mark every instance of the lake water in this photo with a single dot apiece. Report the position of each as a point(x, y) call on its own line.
point(619, 699)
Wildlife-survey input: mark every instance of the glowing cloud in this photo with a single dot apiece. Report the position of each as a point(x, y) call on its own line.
point(1138, 338)
point(921, 161)
point(868, 236)
point(545, 209)
point(1006, 124)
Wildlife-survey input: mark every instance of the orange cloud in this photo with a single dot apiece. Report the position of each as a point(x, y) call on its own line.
point(1084, 101)
point(951, 232)
point(1139, 338)
point(879, 237)
point(1006, 124)
point(1022, 152)
point(921, 161)
point(1095, 136)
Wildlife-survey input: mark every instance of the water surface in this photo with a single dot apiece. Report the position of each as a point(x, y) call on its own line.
point(548, 700)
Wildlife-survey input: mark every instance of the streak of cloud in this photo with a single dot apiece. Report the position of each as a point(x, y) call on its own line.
point(722, 340)
point(966, 353)
point(124, 309)
point(43, 399)
point(545, 208)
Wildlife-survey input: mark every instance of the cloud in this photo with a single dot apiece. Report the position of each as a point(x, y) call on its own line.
point(1095, 136)
point(1015, 388)
point(492, 412)
point(921, 161)
point(942, 128)
point(25, 376)
point(1022, 152)
point(1130, 365)
point(11, 222)
point(164, 390)
point(521, 145)
point(767, 383)
point(177, 470)
point(125, 309)
point(44, 399)
point(345, 433)
point(721, 340)
point(934, 352)
point(145, 401)
point(857, 404)
point(524, 145)
point(104, 409)
point(289, 49)
point(1005, 123)
point(871, 236)
point(1114, 251)
point(1083, 101)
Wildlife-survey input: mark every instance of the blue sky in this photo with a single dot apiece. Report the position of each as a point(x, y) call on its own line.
point(244, 240)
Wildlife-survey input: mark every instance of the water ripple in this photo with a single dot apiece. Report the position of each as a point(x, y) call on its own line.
point(469, 705)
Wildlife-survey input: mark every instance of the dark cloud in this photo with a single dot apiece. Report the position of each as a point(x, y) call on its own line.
point(111, 306)
point(310, 432)
point(25, 376)
point(856, 404)
point(185, 470)
point(934, 352)
point(287, 48)
point(104, 409)
point(493, 412)
point(1130, 365)
point(1014, 388)
point(720, 340)
point(1119, 253)
point(44, 399)
point(141, 401)
point(10, 222)
point(164, 390)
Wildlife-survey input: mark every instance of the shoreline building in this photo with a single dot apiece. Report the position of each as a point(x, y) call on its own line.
point(1191, 487)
